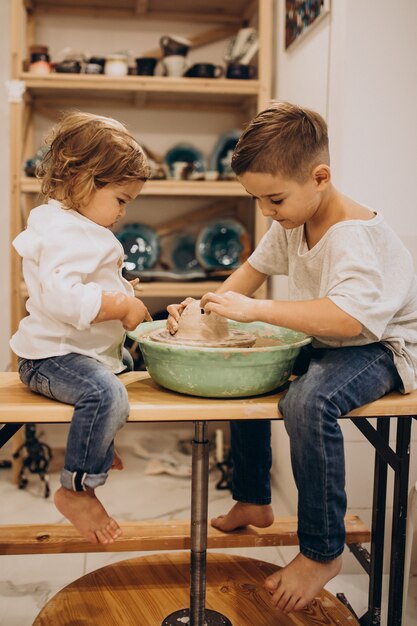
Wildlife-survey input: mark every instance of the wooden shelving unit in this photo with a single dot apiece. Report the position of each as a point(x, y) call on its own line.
point(221, 188)
point(30, 94)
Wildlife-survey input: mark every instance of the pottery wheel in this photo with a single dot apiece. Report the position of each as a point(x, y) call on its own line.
point(236, 339)
point(197, 328)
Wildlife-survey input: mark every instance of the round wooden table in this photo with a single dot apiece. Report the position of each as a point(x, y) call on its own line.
point(143, 591)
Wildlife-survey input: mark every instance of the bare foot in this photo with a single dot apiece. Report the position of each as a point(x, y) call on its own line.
point(117, 462)
point(87, 514)
point(294, 587)
point(242, 514)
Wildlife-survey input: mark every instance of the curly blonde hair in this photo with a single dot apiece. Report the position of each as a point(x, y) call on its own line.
point(285, 140)
point(87, 152)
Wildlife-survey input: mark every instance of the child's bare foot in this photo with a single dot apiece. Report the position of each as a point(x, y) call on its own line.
point(242, 514)
point(87, 514)
point(117, 462)
point(294, 587)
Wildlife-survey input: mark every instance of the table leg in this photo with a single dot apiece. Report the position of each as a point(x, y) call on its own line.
point(7, 431)
point(378, 530)
point(399, 522)
point(197, 614)
point(399, 461)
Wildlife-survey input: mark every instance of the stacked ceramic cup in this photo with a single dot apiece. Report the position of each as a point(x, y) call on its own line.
point(174, 49)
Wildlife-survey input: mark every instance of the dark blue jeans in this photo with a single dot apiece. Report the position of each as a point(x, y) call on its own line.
point(331, 383)
point(101, 408)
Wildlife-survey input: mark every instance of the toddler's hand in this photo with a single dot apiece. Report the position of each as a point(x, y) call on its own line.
point(175, 311)
point(232, 305)
point(136, 287)
point(137, 313)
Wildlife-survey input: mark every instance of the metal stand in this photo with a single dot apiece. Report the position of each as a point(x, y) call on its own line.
point(197, 614)
point(399, 461)
point(36, 460)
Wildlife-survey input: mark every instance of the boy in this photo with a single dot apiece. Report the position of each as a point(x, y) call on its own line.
point(352, 287)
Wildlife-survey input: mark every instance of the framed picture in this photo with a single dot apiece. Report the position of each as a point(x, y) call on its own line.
point(301, 16)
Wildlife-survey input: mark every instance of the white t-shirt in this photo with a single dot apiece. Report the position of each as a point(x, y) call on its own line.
point(365, 269)
point(68, 261)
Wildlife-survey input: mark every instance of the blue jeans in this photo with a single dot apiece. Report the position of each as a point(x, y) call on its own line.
point(331, 383)
point(101, 408)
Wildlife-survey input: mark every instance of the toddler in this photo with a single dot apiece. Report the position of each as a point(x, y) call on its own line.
point(70, 345)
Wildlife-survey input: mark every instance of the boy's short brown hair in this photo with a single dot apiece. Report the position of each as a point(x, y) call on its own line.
point(285, 139)
point(87, 152)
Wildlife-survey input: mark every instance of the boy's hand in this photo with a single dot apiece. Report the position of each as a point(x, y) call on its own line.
point(232, 305)
point(136, 313)
point(175, 311)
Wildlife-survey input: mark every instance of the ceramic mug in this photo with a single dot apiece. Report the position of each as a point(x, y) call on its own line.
point(205, 70)
point(173, 45)
point(182, 170)
point(145, 66)
point(116, 65)
point(174, 65)
point(240, 71)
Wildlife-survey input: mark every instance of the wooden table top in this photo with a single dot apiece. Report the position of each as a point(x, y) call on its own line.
point(147, 589)
point(151, 403)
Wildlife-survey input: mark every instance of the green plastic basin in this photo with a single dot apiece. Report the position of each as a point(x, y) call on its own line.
point(221, 372)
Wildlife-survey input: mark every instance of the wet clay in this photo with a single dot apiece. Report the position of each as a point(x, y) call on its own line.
point(265, 342)
point(196, 328)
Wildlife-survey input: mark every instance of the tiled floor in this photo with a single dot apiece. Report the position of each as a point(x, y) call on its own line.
point(28, 582)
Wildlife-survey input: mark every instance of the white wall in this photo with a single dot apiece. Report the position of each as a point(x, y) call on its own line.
point(357, 68)
point(5, 187)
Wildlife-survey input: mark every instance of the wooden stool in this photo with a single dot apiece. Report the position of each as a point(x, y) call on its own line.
point(145, 590)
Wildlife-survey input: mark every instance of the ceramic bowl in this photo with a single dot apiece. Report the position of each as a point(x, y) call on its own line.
point(186, 153)
point(221, 372)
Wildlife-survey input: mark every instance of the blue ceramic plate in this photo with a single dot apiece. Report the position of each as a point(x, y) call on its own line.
point(225, 143)
point(141, 246)
point(220, 245)
point(187, 153)
point(183, 257)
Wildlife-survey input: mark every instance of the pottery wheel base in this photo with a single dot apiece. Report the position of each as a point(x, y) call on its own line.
point(211, 618)
point(236, 339)
point(143, 591)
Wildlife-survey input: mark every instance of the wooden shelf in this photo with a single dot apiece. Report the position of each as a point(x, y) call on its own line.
point(82, 82)
point(230, 12)
point(142, 91)
point(161, 289)
point(226, 188)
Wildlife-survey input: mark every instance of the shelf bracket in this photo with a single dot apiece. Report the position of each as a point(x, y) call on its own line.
point(15, 91)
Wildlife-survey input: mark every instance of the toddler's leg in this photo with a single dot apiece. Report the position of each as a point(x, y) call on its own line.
point(251, 453)
point(100, 408)
point(336, 382)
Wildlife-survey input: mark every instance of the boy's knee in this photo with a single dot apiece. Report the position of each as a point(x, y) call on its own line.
point(301, 408)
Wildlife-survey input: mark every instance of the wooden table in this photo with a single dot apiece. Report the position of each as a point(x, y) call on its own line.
point(150, 403)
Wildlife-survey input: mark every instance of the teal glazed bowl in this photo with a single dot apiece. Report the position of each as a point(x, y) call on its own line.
point(221, 372)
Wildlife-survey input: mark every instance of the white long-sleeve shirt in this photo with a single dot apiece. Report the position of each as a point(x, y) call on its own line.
point(68, 261)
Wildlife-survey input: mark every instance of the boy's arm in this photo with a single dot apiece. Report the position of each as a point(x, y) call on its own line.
point(319, 318)
point(245, 280)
